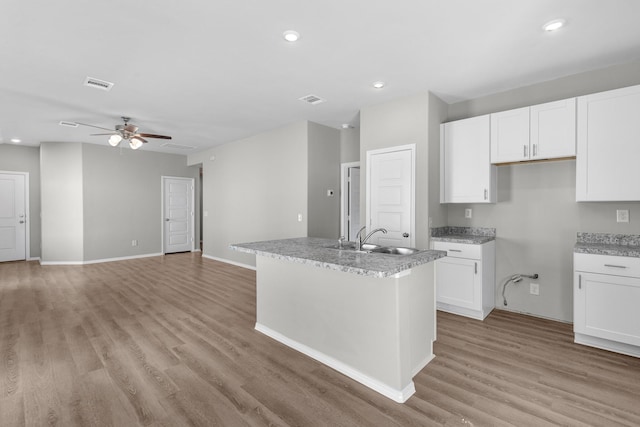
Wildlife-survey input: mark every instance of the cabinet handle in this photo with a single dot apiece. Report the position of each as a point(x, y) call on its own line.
point(455, 250)
point(475, 264)
point(615, 266)
point(486, 194)
point(535, 150)
point(579, 281)
point(524, 152)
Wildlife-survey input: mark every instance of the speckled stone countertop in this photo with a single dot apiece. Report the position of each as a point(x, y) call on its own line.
point(320, 253)
point(608, 244)
point(470, 235)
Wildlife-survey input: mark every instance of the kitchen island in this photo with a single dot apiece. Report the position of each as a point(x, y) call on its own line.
point(370, 316)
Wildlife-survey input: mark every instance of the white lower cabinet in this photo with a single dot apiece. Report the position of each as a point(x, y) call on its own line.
point(606, 298)
point(465, 279)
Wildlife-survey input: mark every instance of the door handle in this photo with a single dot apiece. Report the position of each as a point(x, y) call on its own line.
point(166, 219)
point(405, 235)
point(21, 222)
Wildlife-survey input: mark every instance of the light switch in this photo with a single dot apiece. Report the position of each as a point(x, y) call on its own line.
point(299, 217)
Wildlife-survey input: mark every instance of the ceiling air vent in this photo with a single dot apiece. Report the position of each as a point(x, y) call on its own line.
point(312, 99)
point(68, 124)
point(177, 146)
point(98, 84)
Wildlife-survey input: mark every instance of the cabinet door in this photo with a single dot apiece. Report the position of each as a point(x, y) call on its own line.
point(606, 307)
point(466, 173)
point(510, 136)
point(458, 282)
point(608, 146)
point(553, 129)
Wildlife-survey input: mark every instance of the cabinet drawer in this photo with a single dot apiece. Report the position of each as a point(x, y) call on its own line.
point(459, 250)
point(607, 264)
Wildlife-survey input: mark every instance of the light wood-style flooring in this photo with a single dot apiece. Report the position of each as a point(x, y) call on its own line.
point(169, 341)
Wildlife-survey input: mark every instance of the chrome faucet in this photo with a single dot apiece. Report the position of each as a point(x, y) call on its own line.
point(360, 241)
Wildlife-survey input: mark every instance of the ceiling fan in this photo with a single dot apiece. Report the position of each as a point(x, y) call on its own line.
point(127, 132)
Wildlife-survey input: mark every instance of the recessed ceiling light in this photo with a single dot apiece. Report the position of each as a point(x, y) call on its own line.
point(16, 140)
point(554, 25)
point(291, 36)
point(346, 126)
point(378, 85)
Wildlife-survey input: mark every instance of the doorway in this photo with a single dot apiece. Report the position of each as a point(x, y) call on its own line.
point(177, 214)
point(391, 195)
point(14, 213)
point(350, 200)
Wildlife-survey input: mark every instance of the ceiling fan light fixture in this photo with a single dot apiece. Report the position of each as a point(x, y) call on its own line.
point(114, 140)
point(135, 143)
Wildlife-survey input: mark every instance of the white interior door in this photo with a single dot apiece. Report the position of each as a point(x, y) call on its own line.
point(390, 195)
point(13, 217)
point(178, 214)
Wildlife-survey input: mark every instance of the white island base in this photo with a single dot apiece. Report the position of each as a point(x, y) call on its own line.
point(377, 331)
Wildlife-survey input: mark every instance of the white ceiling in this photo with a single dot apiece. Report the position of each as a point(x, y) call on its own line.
point(211, 72)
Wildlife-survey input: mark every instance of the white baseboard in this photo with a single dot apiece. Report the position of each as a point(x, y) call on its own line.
point(228, 261)
point(604, 344)
point(396, 395)
point(98, 261)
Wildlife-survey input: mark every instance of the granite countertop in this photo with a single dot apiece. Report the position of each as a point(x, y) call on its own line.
point(320, 253)
point(469, 235)
point(608, 244)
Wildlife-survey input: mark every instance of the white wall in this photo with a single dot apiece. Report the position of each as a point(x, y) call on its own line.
point(536, 216)
point(323, 174)
point(61, 202)
point(400, 122)
point(438, 111)
point(14, 158)
point(254, 190)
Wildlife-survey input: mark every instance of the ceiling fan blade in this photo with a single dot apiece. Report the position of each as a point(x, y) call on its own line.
point(97, 134)
point(92, 126)
point(138, 136)
point(151, 135)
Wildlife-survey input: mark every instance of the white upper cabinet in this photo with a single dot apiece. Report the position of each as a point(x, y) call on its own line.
point(553, 130)
point(544, 131)
point(466, 173)
point(608, 149)
point(510, 136)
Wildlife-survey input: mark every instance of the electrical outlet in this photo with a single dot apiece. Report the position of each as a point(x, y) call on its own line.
point(622, 215)
point(534, 289)
point(468, 213)
point(134, 243)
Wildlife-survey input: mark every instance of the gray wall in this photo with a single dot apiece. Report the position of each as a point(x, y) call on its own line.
point(323, 174)
point(62, 204)
point(122, 199)
point(96, 199)
point(400, 122)
point(254, 190)
point(350, 145)
point(536, 216)
point(14, 158)
point(438, 111)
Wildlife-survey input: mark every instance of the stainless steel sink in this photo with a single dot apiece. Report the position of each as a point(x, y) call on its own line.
point(376, 249)
point(395, 251)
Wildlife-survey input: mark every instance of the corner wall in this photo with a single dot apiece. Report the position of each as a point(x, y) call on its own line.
point(62, 202)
